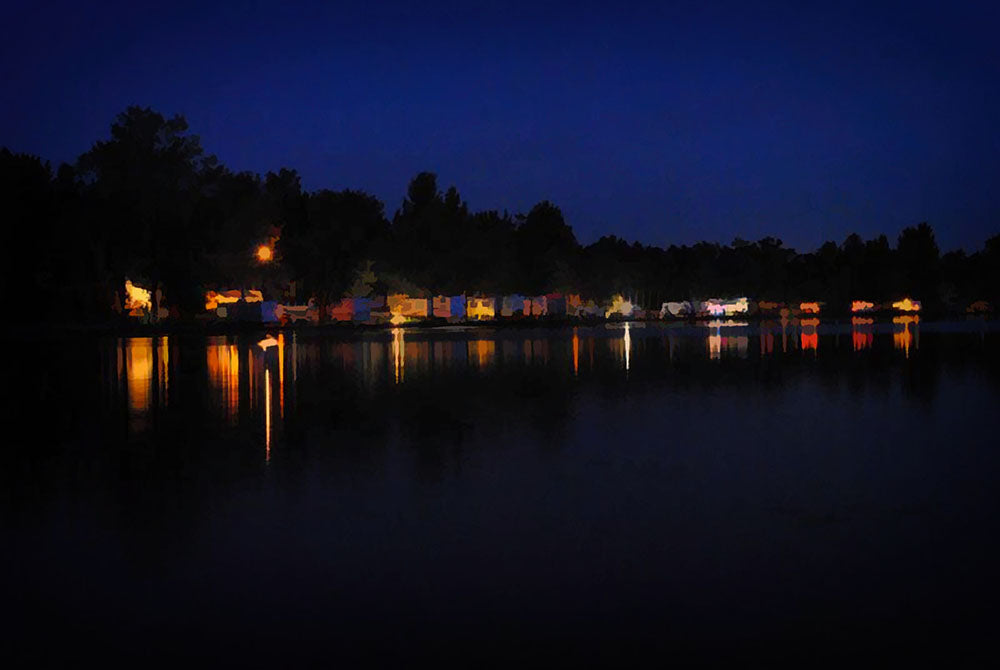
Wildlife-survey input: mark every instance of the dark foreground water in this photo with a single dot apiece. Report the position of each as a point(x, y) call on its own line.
point(812, 492)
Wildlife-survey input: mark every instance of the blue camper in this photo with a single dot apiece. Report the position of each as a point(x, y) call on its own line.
point(513, 305)
point(458, 307)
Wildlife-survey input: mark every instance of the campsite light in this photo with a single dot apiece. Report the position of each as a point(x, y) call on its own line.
point(907, 305)
point(136, 299)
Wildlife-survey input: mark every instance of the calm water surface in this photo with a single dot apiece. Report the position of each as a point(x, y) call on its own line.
point(807, 490)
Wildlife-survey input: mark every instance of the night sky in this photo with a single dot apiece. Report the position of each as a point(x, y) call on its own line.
point(666, 124)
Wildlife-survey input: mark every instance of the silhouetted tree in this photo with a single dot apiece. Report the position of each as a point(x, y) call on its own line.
point(142, 186)
point(918, 256)
point(544, 243)
point(148, 203)
point(324, 246)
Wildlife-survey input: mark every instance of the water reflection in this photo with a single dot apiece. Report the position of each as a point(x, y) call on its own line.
point(736, 344)
point(535, 350)
point(267, 414)
point(862, 334)
point(398, 355)
point(808, 334)
point(281, 374)
point(715, 345)
point(242, 376)
point(139, 367)
point(767, 329)
point(627, 339)
point(446, 354)
point(144, 368)
point(576, 352)
point(464, 478)
point(907, 335)
point(223, 362)
point(482, 352)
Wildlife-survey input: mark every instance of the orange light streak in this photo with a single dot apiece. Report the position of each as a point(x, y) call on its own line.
point(576, 352)
point(267, 415)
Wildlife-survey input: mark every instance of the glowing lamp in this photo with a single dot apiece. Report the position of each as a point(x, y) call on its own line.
point(264, 253)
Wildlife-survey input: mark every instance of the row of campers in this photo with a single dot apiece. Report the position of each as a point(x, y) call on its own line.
point(718, 307)
point(401, 308)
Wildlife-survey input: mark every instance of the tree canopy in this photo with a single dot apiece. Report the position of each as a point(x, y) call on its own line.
point(149, 203)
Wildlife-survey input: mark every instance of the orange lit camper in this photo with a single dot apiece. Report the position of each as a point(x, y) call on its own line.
point(906, 305)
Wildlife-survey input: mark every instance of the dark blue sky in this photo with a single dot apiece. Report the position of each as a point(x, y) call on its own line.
point(668, 124)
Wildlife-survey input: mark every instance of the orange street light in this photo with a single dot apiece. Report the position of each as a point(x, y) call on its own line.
point(264, 253)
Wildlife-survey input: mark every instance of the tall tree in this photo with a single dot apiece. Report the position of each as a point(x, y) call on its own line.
point(324, 247)
point(918, 255)
point(142, 184)
point(545, 244)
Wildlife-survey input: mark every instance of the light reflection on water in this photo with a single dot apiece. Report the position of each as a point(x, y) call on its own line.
point(727, 336)
point(906, 333)
point(143, 368)
point(422, 465)
point(239, 373)
point(862, 334)
point(482, 353)
point(810, 338)
point(223, 365)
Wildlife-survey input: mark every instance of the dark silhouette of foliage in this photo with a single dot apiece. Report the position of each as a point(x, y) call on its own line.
point(148, 203)
point(339, 229)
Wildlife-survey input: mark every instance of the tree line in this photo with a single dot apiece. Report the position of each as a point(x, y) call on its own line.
point(148, 203)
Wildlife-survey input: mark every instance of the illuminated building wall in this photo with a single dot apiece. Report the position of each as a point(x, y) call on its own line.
point(573, 304)
point(402, 305)
point(296, 313)
point(675, 309)
point(718, 307)
point(342, 310)
point(442, 306)
point(906, 305)
point(513, 305)
point(457, 307)
point(539, 305)
point(137, 300)
point(480, 308)
point(619, 307)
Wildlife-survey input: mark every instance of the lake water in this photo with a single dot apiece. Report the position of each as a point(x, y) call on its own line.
point(804, 491)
